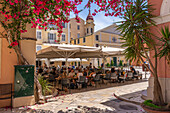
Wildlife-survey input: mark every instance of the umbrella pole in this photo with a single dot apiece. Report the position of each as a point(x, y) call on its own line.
point(80, 62)
point(67, 65)
point(104, 65)
point(67, 74)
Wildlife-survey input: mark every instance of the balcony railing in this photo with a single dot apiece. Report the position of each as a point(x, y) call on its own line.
point(50, 41)
point(100, 41)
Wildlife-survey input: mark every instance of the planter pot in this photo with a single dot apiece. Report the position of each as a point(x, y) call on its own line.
point(154, 110)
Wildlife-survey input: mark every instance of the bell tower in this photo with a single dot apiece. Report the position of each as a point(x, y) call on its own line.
point(89, 26)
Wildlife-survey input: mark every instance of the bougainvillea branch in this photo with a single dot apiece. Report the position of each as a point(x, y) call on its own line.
point(16, 14)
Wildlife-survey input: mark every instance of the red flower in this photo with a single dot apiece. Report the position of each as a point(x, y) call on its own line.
point(15, 43)
point(93, 14)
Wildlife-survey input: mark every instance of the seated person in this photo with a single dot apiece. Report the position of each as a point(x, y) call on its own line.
point(118, 73)
point(92, 74)
point(71, 74)
point(64, 76)
point(52, 75)
point(53, 72)
point(79, 73)
point(113, 70)
point(40, 70)
point(85, 72)
point(76, 71)
point(45, 71)
point(91, 77)
point(94, 68)
point(133, 71)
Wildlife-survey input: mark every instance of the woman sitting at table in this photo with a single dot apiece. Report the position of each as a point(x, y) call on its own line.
point(72, 76)
point(63, 76)
point(91, 77)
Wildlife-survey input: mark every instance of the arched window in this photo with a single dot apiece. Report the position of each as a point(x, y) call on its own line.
point(87, 30)
point(92, 30)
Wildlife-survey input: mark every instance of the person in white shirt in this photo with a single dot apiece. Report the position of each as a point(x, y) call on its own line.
point(79, 73)
point(71, 74)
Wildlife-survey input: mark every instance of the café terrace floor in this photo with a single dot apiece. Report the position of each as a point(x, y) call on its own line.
point(92, 100)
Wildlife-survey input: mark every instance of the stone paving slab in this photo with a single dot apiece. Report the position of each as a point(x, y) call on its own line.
point(101, 100)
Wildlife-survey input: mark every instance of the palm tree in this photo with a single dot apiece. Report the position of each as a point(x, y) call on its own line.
point(138, 40)
point(165, 48)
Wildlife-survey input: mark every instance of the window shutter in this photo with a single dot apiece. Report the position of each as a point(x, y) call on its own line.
point(54, 36)
point(48, 36)
point(40, 35)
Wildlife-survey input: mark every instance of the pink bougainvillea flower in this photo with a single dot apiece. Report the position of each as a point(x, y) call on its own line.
point(93, 14)
point(13, 44)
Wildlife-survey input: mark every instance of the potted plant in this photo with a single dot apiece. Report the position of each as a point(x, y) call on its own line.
point(46, 86)
point(138, 42)
point(108, 65)
point(120, 63)
point(112, 63)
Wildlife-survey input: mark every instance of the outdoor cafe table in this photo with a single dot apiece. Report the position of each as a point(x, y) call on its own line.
point(102, 76)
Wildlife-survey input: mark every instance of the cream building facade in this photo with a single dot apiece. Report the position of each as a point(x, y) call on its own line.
point(82, 33)
point(106, 37)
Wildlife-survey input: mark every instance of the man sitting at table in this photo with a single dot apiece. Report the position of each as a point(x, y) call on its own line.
point(133, 71)
point(79, 73)
point(71, 74)
point(113, 70)
point(40, 70)
point(85, 73)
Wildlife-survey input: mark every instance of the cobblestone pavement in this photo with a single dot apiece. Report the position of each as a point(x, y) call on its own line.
point(97, 101)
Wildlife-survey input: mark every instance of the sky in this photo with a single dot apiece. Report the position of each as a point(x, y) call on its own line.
point(100, 20)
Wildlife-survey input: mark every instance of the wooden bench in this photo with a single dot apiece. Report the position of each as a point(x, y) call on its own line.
point(6, 92)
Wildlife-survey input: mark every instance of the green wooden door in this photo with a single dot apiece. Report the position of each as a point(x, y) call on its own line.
point(115, 61)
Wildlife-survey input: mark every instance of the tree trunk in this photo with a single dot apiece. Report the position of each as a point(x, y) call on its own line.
point(20, 56)
point(40, 97)
point(158, 97)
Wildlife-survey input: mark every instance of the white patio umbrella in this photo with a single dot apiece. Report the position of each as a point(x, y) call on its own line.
point(69, 59)
point(67, 51)
point(76, 51)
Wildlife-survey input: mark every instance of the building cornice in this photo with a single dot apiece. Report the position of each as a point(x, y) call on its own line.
point(162, 19)
point(27, 38)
